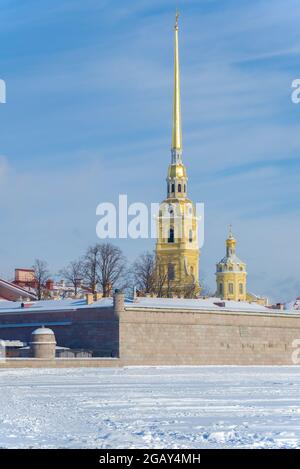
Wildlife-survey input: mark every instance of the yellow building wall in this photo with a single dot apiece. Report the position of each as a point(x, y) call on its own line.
point(235, 279)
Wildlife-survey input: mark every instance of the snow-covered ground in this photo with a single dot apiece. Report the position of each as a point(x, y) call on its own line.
point(176, 407)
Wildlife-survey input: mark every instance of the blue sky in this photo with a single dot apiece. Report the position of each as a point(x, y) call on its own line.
point(88, 116)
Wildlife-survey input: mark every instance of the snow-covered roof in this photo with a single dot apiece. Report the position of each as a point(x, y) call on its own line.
point(52, 305)
point(202, 304)
point(233, 258)
point(10, 291)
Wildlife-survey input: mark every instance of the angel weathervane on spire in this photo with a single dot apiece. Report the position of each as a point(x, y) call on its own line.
point(176, 20)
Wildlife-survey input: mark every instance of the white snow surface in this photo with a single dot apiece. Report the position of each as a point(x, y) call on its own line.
point(43, 331)
point(150, 407)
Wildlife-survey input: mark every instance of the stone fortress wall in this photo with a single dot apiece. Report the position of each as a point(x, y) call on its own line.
point(187, 337)
point(133, 334)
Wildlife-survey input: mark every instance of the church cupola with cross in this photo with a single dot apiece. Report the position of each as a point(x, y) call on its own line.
point(231, 274)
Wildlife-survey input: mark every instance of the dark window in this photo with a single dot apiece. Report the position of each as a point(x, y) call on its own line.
point(184, 190)
point(191, 236)
point(173, 187)
point(171, 236)
point(179, 187)
point(171, 272)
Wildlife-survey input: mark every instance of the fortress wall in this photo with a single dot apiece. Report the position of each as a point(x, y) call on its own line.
point(156, 337)
point(152, 336)
point(95, 329)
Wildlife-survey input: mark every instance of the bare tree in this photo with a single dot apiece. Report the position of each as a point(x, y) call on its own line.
point(161, 280)
point(205, 289)
point(144, 272)
point(73, 273)
point(41, 275)
point(190, 290)
point(104, 265)
point(90, 267)
point(111, 267)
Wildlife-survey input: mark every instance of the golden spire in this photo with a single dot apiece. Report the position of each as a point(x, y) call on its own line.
point(176, 131)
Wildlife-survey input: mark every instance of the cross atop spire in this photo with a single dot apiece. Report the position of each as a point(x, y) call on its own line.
point(176, 130)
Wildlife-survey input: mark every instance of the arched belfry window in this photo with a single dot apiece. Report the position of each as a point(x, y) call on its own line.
point(171, 272)
point(171, 236)
point(179, 187)
point(190, 236)
point(173, 188)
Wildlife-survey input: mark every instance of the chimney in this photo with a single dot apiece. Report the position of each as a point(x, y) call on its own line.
point(98, 296)
point(119, 301)
point(89, 298)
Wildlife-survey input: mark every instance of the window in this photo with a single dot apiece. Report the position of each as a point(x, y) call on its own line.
point(179, 187)
point(221, 289)
point(173, 188)
point(171, 236)
point(241, 288)
point(184, 188)
point(171, 272)
point(191, 236)
point(230, 288)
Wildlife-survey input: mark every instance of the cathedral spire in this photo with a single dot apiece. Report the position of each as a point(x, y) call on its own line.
point(176, 130)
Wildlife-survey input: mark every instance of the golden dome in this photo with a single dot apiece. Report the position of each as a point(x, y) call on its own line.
point(231, 242)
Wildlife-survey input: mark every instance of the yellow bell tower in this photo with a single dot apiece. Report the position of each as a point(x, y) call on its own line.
point(231, 274)
point(177, 249)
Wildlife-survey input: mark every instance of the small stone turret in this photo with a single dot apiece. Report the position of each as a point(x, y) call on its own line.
point(43, 344)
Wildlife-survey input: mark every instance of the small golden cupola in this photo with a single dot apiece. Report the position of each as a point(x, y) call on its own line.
point(231, 274)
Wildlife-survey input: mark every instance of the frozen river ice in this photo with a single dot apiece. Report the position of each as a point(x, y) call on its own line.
point(150, 407)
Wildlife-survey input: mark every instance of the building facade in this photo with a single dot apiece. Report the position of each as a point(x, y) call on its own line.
point(177, 249)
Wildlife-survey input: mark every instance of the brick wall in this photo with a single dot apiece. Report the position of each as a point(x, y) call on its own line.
point(152, 337)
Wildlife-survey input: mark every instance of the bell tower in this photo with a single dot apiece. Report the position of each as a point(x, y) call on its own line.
point(177, 249)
